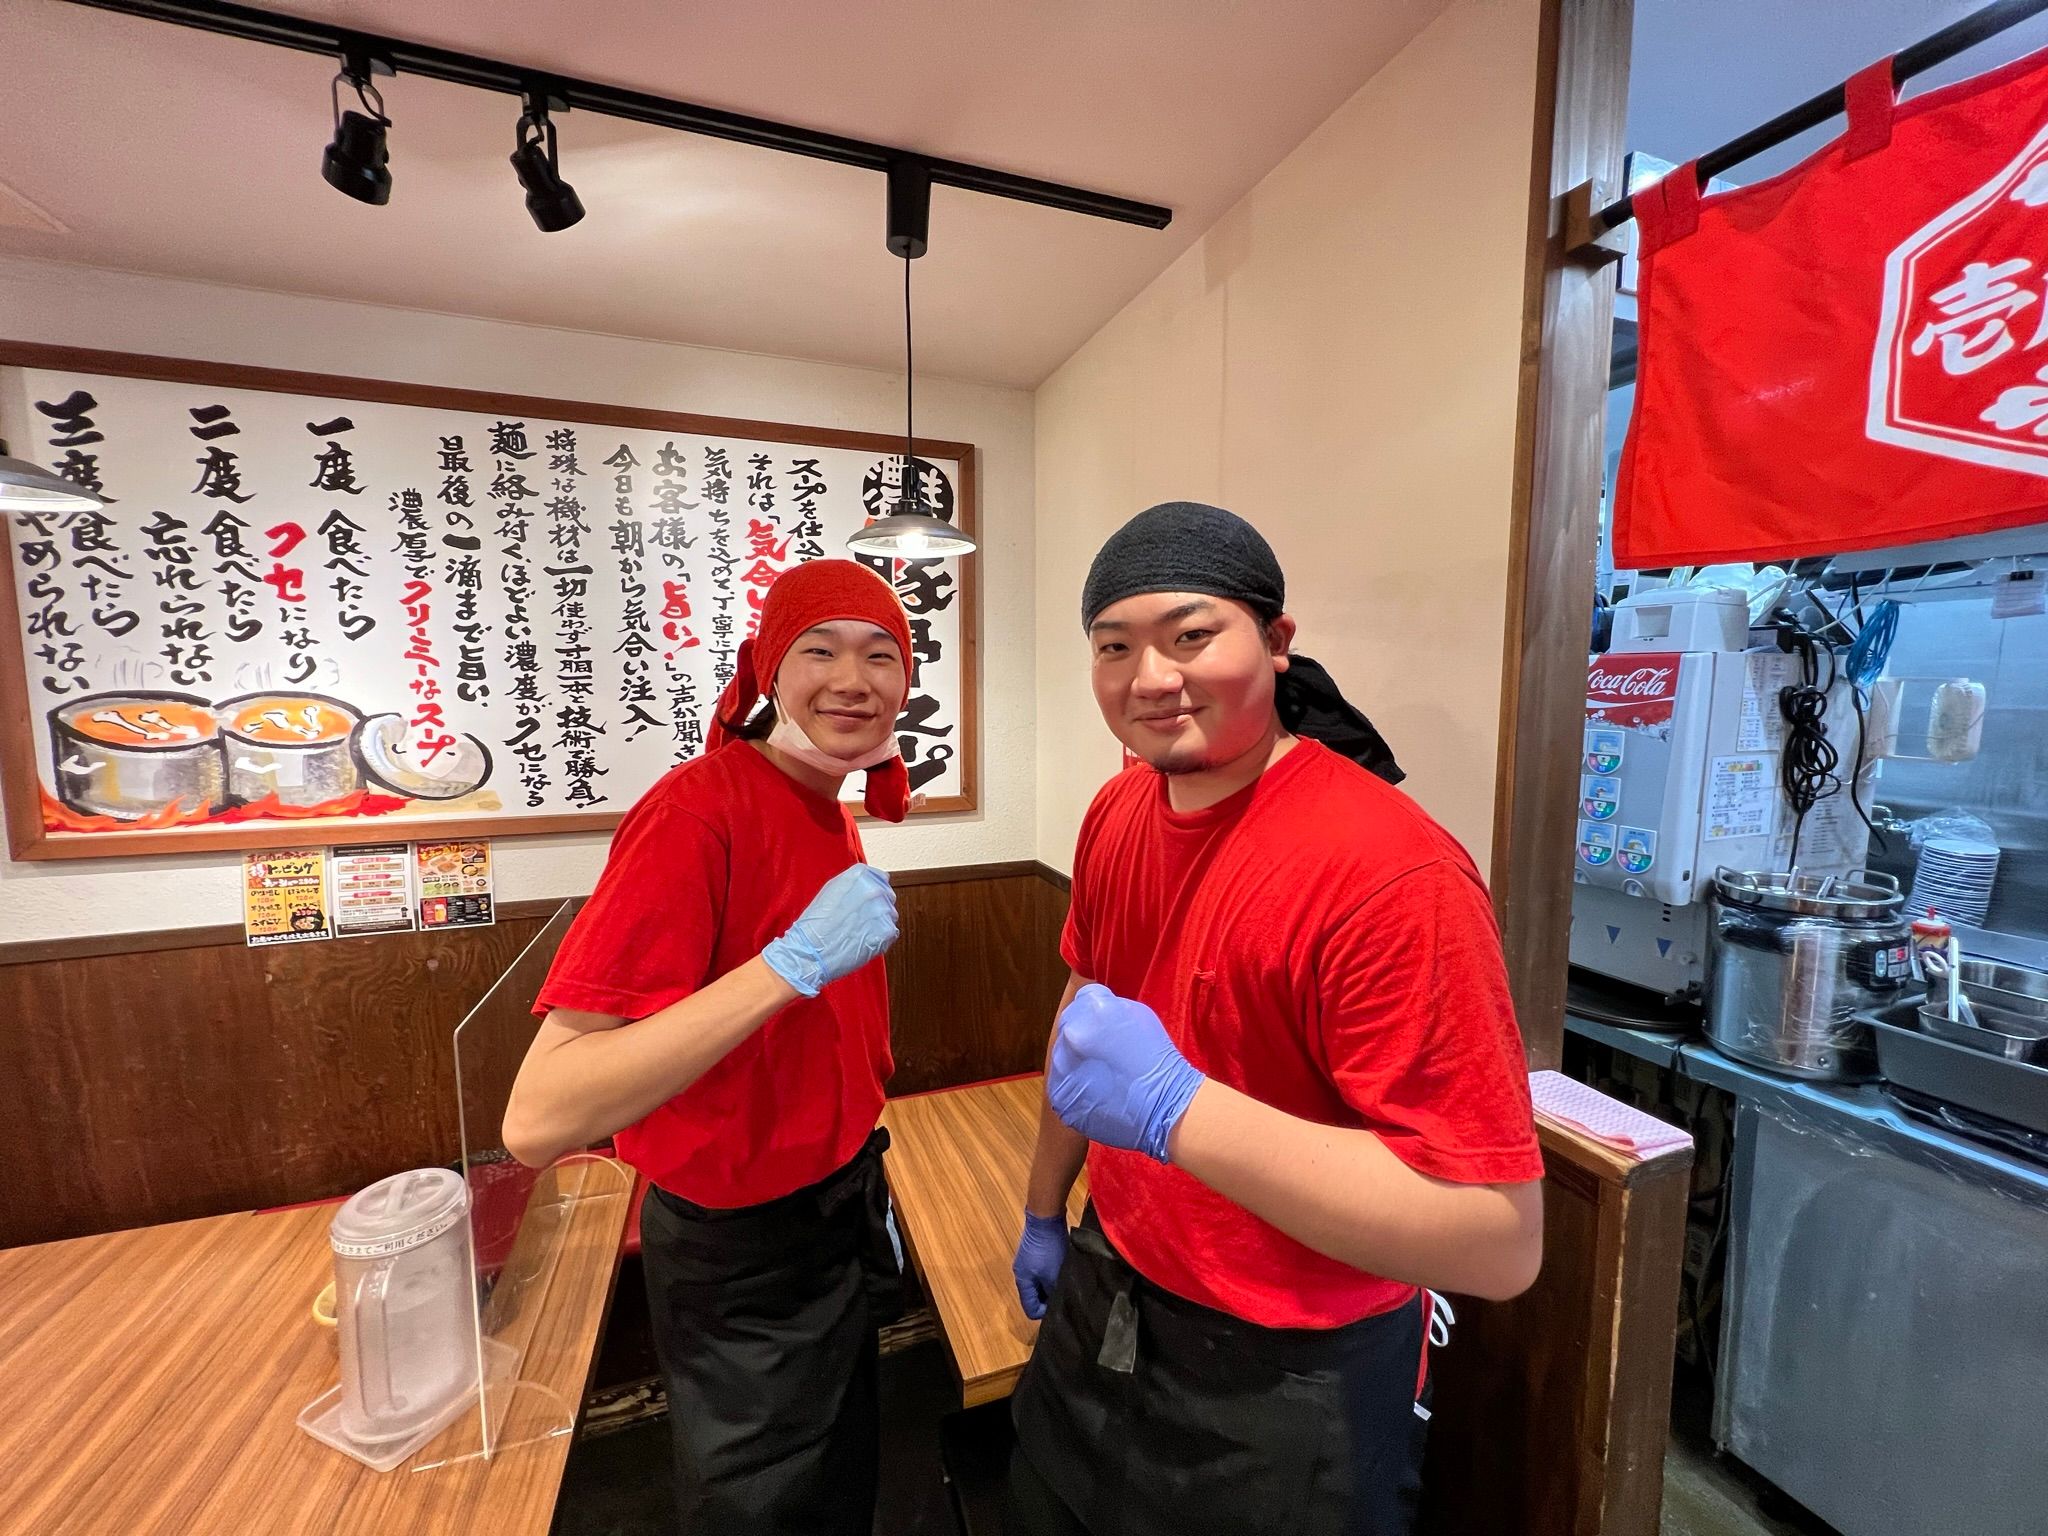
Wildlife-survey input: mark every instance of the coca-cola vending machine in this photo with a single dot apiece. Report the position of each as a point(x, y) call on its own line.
point(1681, 776)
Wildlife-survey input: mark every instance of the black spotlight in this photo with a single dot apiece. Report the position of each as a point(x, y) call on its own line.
point(551, 200)
point(357, 161)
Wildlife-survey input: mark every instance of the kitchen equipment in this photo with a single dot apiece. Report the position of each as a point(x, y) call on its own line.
point(1681, 619)
point(136, 755)
point(1796, 958)
point(1930, 938)
point(1992, 977)
point(2015, 1092)
point(295, 746)
point(1984, 1129)
point(1989, 1006)
point(1682, 774)
point(405, 1290)
point(1954, 877)
point(2015, 1035)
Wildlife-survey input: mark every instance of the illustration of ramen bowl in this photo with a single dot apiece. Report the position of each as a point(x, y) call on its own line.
point(291, 745)
point(131, 755)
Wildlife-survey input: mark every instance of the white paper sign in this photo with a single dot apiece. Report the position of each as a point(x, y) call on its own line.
point(1742, 796)
point(353, 613)
point(372, 889)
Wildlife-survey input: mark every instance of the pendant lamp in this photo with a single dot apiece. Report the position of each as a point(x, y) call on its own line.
point(908, 531)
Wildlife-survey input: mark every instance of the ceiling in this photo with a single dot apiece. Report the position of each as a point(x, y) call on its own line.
point(1702, 74)
point(136, 145)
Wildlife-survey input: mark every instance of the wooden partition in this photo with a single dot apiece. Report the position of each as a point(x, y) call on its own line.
point(1568, 323)
point(155, 1077)
point(1552, 1410)
point(186, 1075)
point(976, 976)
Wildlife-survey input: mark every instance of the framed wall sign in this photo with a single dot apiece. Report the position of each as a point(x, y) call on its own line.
point(325, 610)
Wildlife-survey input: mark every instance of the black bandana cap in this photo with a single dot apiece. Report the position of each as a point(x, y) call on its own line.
point(1187, 546)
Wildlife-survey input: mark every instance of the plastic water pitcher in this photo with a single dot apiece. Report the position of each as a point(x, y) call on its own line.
point(405, 1303)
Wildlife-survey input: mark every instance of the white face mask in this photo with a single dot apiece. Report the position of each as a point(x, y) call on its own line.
point(788, 738)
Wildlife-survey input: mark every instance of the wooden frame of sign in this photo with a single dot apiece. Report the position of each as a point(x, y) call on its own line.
point(30, 835)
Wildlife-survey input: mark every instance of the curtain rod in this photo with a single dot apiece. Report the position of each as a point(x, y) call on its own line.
point(1918, 59)
point(401, 57)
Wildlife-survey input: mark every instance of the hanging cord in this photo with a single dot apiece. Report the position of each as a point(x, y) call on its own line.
point(1873, 644)
point(913, 500)
point(1867, 656)
point(1810, 760)
point(1856, 771)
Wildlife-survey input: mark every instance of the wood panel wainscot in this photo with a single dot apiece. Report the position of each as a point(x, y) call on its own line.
point(1552, 1410)
point(156, 1077)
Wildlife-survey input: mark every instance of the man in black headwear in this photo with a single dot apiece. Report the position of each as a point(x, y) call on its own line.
point(1288, 1056)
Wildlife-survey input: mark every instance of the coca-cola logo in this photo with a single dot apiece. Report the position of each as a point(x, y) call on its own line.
point(1642, 683)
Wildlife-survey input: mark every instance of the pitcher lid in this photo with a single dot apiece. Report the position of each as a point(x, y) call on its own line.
point(398, 1213)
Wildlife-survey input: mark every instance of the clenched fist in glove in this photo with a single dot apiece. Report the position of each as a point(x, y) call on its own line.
point(1115, 1076)
point(851, 920)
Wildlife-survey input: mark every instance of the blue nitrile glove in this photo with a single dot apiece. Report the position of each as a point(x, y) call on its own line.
point(1040, 1253)
point(851, 920)
point(1115, 1076)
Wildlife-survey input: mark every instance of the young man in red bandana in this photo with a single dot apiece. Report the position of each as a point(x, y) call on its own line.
point(1288, 1055)
point(720, 1008)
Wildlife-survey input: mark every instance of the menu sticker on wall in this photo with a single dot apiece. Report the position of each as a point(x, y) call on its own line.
point(372, 890)
point(1762, 723)
point(454, 884)
point(1742, 797)
point(284, 896)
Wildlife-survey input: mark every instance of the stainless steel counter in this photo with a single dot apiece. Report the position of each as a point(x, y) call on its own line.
point(1886, 1306)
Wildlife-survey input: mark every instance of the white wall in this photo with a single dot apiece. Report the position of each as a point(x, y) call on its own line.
point(76, 306)
point(1335, 360)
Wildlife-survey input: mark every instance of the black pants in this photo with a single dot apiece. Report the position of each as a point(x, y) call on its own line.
point(1144, 1413)
point(764, 1320)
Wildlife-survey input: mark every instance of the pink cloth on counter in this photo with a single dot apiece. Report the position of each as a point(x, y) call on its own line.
point(1604, 1119)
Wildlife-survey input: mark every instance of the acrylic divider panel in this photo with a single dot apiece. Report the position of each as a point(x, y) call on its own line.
point(519, 1216)
point(323, 610)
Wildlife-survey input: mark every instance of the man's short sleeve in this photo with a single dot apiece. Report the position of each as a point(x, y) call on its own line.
point(645, 937)
point(1077, 937)
point(1418, 1030)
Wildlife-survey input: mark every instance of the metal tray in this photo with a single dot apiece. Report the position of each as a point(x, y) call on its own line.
point(1999, 1031)
point(2012, 1091)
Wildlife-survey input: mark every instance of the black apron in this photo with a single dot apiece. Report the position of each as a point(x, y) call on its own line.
point(764, 1322)
point(1147, 1413)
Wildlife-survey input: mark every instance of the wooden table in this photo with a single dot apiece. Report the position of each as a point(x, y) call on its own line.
point(152, 1380)
point(957, 1164)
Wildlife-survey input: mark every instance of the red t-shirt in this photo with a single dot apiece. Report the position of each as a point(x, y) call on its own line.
point(717, 859)
point(1316, 942)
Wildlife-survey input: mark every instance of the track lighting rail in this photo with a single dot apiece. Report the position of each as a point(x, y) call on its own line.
point(406, 58)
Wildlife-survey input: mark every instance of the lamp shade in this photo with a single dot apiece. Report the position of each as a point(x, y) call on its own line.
point(911, 536)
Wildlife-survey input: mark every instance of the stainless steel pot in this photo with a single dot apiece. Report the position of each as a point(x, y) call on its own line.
point(1795, 958)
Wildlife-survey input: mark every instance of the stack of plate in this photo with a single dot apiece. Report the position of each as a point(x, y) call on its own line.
point(1955, 878)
